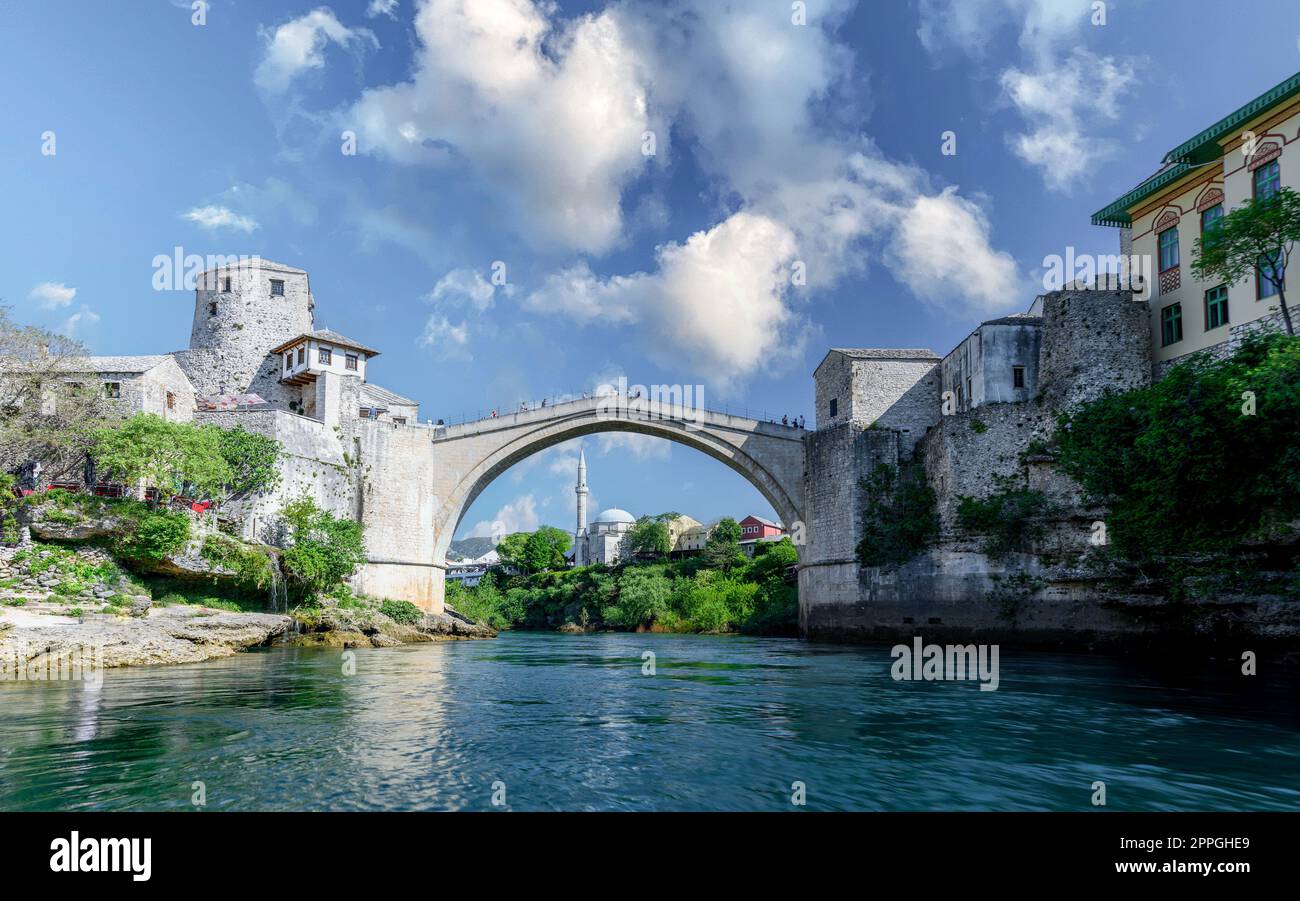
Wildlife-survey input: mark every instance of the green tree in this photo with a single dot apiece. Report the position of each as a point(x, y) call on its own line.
point(484, 603)
point(648, 538)
point(252, 460)
point(1258, 236)
point(1009, 519)
point(723, 547)
point(545, 549)
point(513, 551)
point(170, 456)
point(643, 597)
point(1201, 460)
point(49, 408)
point(322, 550)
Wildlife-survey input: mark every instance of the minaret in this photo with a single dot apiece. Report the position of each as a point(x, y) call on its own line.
point(579, 537)
point(581, 491)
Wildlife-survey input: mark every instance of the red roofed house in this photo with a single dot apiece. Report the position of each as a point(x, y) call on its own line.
point(754, 529)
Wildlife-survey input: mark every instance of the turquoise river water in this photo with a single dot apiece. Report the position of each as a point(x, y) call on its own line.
point(557, 722)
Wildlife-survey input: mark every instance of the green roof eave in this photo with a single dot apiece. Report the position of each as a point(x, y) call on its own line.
point(1200, 150)
point(1116, 213)
point(1205, 148)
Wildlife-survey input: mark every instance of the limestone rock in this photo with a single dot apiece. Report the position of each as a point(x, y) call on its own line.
point(169, 635)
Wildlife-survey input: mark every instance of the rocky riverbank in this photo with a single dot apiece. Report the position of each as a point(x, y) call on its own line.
point(59, 603)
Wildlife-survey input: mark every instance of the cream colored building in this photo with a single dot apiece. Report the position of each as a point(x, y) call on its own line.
point(1250, 153)
point(679, 527)
point(693, 537)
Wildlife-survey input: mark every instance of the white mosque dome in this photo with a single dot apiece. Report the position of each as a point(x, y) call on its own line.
point(614, 515)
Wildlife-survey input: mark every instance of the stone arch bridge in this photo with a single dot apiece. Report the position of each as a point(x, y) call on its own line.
point(418, 481)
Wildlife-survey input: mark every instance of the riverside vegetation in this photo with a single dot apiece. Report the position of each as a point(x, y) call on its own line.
point(719, 591)
point(161, 585)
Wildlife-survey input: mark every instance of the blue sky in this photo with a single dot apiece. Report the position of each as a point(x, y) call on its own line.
point(515, 132)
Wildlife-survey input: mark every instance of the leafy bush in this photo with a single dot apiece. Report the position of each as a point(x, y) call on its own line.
point(643, 594)
point(402, 612)
point(323, 551)
point(1205, 457)
point(484, 603)
point(253, 568)
point(148, 536)
point(900, 518)
point(68, 566)
point(1009, 519)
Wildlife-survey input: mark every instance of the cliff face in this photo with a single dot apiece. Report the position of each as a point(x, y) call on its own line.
point(1030, 562)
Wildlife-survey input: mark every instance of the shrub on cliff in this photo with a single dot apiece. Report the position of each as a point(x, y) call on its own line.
point(252, 567)
point(1205, 457)
point(322, 551)
point(900, 517)
point(175, 457)
point(1008, 520)
point(485, 603)
point(148, 535)
point(401, 612)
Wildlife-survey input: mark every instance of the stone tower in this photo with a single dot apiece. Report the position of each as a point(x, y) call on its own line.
point(241, 311)
point(581, 491)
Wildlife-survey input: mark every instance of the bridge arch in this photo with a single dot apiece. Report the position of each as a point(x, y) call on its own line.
point(519, 444)
point(421, 481)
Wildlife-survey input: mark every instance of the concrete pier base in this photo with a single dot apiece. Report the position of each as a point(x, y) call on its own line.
point(421, 584)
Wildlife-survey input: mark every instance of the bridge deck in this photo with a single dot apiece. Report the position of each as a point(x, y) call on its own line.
point(620, 408)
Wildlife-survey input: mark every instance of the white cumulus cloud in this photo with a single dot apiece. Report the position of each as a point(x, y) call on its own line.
point(216, 218)
point(1062, 105)
point(1065, 96)
point(447, 337)
point(550, 114)
point(52, 295)
point(465, 287)
point(298, 45)
point(717, 301)
point(518, 516)
point(942, 248)
point(382, 8)
point(78, 320)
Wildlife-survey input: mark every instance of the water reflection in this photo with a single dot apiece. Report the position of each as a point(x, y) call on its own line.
point(570, 722)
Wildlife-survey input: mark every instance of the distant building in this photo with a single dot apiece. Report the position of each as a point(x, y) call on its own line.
point(678, 529)
point(253, 345)
point(996, 364)
point(136, 384)
point(604, 539)
point(694, 539)
point(470, 572)
point(756, 529)
point(600, 541)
